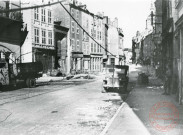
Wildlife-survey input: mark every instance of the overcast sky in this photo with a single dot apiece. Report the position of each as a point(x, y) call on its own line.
point(131, 14)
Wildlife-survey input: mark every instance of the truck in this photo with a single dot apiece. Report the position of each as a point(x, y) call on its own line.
point(20, 73)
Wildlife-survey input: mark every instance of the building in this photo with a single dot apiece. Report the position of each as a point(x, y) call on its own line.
point(157, 38)
point(121, 47)
point(60, 38)
point(13, 32)
point(85, 54)
point(87, 21)
point(115, 43)
point(177, 50)
point(39, 44)
point(136, 47)
point(148, 49)
point(96, 54)
point(12, 36)
point(74, 40)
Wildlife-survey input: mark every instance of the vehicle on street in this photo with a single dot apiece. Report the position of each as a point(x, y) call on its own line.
point(116, 77)
point(21, 73)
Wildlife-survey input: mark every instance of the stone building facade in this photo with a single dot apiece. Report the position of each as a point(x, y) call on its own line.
point(39, 44)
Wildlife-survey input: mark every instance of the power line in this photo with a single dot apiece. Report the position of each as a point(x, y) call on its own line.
point(86, 31)
point(31, 7)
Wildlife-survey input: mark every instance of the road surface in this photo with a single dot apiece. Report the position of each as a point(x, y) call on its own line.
point(61, 108)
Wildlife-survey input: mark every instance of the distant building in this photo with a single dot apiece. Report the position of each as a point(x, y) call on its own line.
point(148, 49)
point(136, 47)
point(115, 43)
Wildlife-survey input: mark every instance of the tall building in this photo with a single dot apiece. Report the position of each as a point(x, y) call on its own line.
point(39, 44)
point(96, 49)
point(115, 43)
point(87, 20)
point(85, 54)
point(74, 41)
point(178, 50)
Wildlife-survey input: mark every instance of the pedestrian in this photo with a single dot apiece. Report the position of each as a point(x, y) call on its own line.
point(167, 80)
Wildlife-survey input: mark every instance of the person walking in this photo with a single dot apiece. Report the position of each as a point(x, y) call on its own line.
point(167, 80)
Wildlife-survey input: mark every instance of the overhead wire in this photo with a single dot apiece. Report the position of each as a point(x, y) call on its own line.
point(31, 7)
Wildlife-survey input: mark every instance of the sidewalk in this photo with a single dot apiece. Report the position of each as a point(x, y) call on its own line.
point(132, 117)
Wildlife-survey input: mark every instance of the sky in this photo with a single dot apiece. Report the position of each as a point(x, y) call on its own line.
point(131, 14)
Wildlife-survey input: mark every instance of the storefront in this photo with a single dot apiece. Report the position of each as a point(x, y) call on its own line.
point(77, 62)
point(96, 63)
point(86, 63)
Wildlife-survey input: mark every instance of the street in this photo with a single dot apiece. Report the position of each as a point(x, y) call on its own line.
point(77, 107)
point(59, 108)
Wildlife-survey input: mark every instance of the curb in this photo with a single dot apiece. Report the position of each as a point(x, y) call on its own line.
point(111, 120)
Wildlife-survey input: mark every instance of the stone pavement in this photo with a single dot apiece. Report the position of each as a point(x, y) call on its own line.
point(132, 118)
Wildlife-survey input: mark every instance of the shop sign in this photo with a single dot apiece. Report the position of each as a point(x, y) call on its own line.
point(86, 59)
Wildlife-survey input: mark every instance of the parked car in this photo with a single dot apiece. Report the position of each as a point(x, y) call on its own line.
point(116, 77)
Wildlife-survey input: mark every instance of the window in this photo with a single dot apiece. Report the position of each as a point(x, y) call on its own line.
point(77, 14)
point(50, 37)
point(36, 14)
point(91, 47)
point(87, 38)
point(87, 24)
point(98, 35)
point(95, 47)
point(77, 45)
point(87, 49)
point(43, 15)
point(77, 29)
point(72, 44)
point(72, 12)
point(112, 61)
point(91, 32)
point(94, 34)
point(36, 35)
point(72, 27)
point(43, 36)
point(98, 48)
point(84, 48)
point(49, 16)
point(77, 32)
